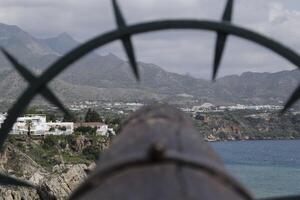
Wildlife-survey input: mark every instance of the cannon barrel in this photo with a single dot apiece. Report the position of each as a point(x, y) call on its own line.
point(159, 155)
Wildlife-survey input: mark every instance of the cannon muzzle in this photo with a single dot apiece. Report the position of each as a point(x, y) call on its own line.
point(159, 156)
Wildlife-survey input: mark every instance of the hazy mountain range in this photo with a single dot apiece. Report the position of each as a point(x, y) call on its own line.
point(108, 77)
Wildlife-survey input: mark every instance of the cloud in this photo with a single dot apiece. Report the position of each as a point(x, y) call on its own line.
point(29, 3)
point(177, 51)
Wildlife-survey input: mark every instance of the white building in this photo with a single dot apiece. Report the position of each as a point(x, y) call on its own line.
point(254, 107)
point(204, 107)
point(101, 128)
point(38, 125)
point(60, 128)
point(2, 118)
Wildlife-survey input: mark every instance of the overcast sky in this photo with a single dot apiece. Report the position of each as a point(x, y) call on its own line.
point(178, 51)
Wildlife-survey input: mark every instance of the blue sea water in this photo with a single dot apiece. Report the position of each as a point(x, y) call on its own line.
point(267, 168)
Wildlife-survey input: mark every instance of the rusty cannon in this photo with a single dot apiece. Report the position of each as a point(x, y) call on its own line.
point(159, 155)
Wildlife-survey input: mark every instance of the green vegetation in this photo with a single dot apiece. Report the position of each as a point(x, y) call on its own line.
point(86, 130)
point(85, 146)
point(50, 116)
point(32, 110)
point(240, 125)
point(52, 150)
point(92, 116)
point(114, 121)
point(70, 118)
point(91, 152)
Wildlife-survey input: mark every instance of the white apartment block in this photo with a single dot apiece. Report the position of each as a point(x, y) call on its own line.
point(37, 125)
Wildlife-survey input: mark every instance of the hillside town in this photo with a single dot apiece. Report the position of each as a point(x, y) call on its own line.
point(125, 107)
point(40, 125)
point(208, 107)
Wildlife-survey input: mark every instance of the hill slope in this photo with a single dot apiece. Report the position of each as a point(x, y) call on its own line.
point(110, 78)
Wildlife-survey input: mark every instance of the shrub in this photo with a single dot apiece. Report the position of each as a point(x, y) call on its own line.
point(62, 128)
point(86, 130)
point(91, 152)
point(49, 141)
point(70, 118)
point(92, 116)
point(63, 144)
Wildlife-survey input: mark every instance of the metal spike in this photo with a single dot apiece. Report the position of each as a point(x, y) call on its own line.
point(294, 97)
point(227, 15)
point(9, 180)
point(118, 14)
point(126, 41)
point(46, 92)
point(221, 39)
point(219, 48)
point(131, 56)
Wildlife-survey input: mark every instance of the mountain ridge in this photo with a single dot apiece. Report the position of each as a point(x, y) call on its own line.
point(108, 77)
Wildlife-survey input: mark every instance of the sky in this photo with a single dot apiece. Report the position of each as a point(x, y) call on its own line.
point(186, 52)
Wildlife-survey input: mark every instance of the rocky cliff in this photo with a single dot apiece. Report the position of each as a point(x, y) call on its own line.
point(59, 181)
point(248, 125)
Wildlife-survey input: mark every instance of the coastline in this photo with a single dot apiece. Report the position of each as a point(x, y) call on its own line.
point(249, 139)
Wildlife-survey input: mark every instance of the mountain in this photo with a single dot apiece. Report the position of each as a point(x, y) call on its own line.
point(108, 77)
point(25, 47)
point(259, 87)
point(22, 43)
point(61, 43)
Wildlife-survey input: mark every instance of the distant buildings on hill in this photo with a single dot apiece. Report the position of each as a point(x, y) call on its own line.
point(81, 105)
point(208, 107)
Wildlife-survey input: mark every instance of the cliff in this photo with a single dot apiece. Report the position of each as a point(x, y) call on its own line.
point(59, 181)
point(248, 125)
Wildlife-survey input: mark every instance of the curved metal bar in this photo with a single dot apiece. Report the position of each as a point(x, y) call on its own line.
point(296, 197)
point(139, 159)
point(106, 38)
point(47, 93)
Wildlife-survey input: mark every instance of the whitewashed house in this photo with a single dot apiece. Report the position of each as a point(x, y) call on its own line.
point(38, 125)
point(60, 128)
point(2, 118)
point(101, 128)
point(204, 107)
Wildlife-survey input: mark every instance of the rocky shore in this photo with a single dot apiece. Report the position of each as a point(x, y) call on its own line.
point(59, 181)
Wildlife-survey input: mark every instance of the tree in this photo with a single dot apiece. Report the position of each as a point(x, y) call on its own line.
point(91, 152)
point(29, 126)
point(92, 116)
point(32, 110)
point(114, 122)
point(49, 141)
point(70, 118)
point(50, 117)
point(86, 130)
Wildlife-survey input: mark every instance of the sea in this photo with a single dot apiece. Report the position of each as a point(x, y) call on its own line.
point(268, 168)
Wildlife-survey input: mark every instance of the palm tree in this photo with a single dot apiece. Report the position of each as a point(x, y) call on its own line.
point(29, 126)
